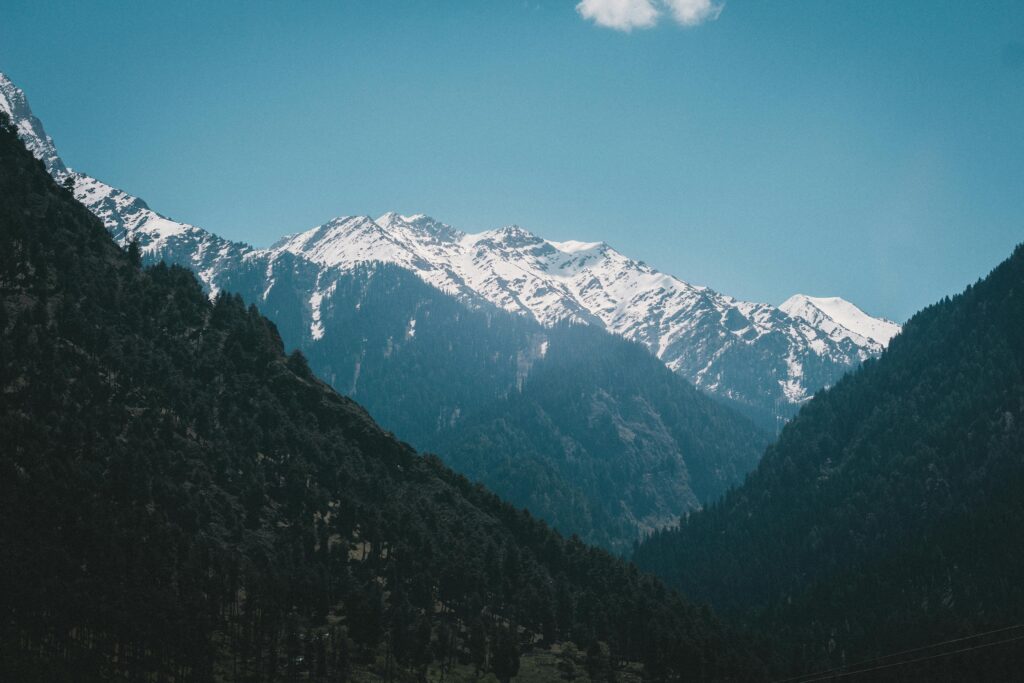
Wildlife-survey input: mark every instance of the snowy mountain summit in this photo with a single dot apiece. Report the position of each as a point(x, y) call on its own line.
point(765, 359)
point(840, 319)
point(30, 129)
point(748, 352)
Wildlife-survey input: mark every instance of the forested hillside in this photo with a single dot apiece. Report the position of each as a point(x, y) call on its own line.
point(600, 428)
point(889, 513)
point(179, 500)
point(586, 430)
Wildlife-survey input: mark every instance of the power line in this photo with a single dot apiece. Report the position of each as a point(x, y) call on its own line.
point(804, 678)
point(846, 674)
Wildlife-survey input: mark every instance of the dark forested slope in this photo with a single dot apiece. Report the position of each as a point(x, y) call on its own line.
point(586, 430)
point(889, 513)
point(600, 428)
point(179, 500)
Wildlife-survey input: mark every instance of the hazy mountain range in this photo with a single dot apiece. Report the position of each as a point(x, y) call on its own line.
point(492, 349)
point(765, 359)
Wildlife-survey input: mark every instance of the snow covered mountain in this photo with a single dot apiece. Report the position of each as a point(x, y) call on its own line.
point(30, 129)
point(127, 217)
point(841, 320)
point(765, 359)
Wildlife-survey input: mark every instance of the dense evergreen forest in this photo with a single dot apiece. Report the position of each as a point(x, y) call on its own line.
point(180, 500)
point(889, 514)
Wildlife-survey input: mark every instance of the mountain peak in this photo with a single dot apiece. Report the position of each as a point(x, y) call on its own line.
point(513, 236)
point(839, 318)
point(576, 247)
point(30, 129)
point(419, 223)
point(394, 217)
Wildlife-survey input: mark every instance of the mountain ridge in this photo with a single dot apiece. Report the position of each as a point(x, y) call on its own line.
point(693, 329)
point(434, 370)
point(754, 355)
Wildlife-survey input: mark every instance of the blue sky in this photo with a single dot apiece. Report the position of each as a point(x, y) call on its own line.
point(871, 150)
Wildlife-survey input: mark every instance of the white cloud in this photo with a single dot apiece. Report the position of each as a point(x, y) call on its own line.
point(694, 12)
point(623, 15)
point(626, 15)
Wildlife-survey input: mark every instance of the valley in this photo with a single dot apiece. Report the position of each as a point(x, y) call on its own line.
point(308, 432)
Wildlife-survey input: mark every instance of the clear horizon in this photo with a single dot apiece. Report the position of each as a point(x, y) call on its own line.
point(861, 150)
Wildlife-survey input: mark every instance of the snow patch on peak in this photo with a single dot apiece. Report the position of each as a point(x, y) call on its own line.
point(575, 247)
point(394, 216)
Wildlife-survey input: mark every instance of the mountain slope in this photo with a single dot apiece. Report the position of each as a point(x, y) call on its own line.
point(567, 421)
point(637, 455)
point(887, 514)
point(181, 501)
point(15, 105)
point(435, 371)
point(125, 216)
point(755, 356)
